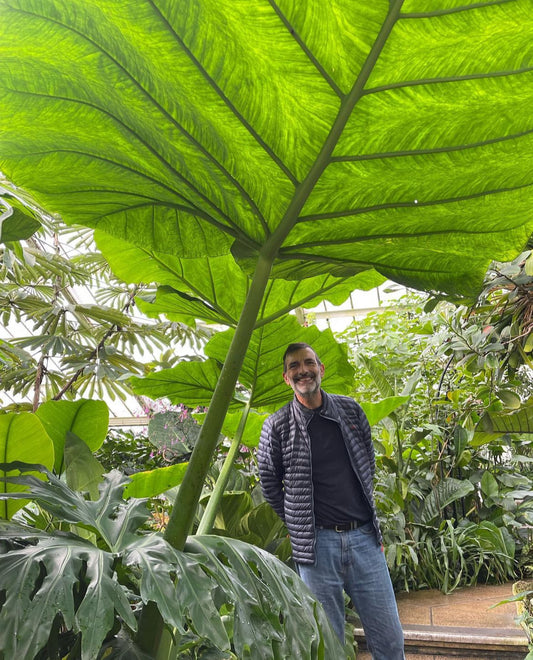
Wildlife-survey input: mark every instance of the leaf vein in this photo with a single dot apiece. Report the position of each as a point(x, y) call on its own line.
point(224, 171)
point(446, 79)
point(454, 10)
point(417, 204)
point(435, 150)
point(325, 75)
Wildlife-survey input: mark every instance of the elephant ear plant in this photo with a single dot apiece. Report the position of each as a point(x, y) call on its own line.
point(62, 595)
point(305, 139)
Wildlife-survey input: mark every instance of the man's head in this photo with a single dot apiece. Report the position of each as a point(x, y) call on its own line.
point(303, 371)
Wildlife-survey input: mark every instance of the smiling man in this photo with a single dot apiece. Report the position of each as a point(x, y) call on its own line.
point(316, 463)
point(303, 372)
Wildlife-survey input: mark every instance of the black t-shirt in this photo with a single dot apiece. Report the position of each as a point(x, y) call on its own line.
point(337, 493)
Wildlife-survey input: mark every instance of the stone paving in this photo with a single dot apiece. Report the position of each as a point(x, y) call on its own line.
point(462, 625)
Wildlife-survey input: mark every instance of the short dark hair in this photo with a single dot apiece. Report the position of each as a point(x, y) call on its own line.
point(298, 346)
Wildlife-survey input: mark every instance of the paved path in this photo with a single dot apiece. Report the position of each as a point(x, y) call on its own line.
point(466, 614)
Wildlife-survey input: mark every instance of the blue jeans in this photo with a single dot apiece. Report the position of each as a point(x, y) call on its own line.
point(354, 562)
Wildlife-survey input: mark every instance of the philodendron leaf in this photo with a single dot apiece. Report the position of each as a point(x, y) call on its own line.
point(109, 517)
point(39, 581)
point(22, 438)
point(347, 135)
point(85, 418)
point(45, 575)
point(191, 596)
point(275, 615)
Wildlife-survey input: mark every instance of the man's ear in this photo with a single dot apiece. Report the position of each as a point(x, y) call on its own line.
point(286, 378)
point(322, 369)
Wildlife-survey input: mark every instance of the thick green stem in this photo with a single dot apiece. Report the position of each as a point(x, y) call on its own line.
point(182, 517)
point(151, 628)
point(184, 509)
point(208, 519)
point(180, 522)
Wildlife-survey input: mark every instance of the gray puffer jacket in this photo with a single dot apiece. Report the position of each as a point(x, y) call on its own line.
point(284, 458)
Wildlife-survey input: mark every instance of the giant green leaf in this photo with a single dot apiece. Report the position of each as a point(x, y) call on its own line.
point(41, 579)
point(394, 134)
point(22, 438)
point(214, 289)
point(193, 383)
point(111, 518)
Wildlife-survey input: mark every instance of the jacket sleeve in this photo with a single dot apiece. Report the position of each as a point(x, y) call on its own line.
point(271, 467)
point(367, 439)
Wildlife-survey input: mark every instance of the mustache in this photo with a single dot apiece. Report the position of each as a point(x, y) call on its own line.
point(304, 375)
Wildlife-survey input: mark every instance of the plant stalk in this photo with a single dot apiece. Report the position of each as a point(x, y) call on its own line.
point(208, 519)
point(183, 512)
point(151, 626)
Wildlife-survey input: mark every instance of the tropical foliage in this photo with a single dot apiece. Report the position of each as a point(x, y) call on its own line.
point(313, 142)
point(63, 594)
point(456, 501)
point(77, 329)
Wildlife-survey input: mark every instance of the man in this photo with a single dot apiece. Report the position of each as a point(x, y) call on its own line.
point(316, 463)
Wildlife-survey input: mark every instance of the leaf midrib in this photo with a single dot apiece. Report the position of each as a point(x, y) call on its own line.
point(304, 190)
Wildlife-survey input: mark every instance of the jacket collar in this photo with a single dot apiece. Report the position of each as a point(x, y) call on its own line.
point(307, 413)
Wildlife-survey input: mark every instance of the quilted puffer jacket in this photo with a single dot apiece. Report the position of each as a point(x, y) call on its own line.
point(284, 458)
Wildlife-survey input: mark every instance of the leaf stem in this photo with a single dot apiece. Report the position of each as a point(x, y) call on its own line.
point(208, 519)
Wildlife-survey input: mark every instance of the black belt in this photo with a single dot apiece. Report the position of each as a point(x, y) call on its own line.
point(344, 527)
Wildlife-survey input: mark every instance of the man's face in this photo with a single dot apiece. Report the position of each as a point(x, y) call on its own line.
point(303, 373)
